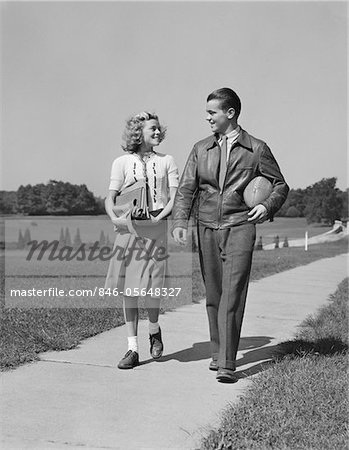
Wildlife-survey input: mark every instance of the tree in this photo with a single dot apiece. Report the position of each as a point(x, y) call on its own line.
point(61, 238)
point(54, 198)
point(20, 243)
point(59, 198)
point(24, 196)
point(77, 239)
point(100, 205)
point(324, 202)
point(296, 199)
point(32, 199)
point(102, 239)
point(293, 212)
point(344, 196)
point(8, 202)
point(27, 237)
point(67, 199)
point(67, 238)
point(84, 202)
point(38, 199)
point(108, 243)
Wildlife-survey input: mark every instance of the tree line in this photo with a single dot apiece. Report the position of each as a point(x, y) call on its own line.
point(320, 202)
point(54, 198)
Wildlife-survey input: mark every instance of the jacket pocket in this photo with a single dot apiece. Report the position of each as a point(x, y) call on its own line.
point(208, 201)
point(204, 197)
point(233, 203)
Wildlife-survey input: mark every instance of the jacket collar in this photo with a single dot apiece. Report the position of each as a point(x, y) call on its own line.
point(244, 140)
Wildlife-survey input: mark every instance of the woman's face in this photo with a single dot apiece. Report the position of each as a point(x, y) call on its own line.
point(151, 133)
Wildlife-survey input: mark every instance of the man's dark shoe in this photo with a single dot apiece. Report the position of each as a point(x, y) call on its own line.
point(213, 365)
point(129, 361)
point(156, 345)
point(226, 376)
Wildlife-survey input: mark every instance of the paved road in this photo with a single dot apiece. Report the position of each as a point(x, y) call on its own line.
point(78, 399)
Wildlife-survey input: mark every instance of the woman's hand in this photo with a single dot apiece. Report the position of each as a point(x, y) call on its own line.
point(137, 213)
point(154, 219)
point(120, 222)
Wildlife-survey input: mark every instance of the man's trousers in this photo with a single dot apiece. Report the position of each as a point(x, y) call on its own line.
point(226, 258)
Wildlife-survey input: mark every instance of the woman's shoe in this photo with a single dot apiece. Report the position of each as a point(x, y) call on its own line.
point(129, 361)
point(156, 345)
point(213, 365)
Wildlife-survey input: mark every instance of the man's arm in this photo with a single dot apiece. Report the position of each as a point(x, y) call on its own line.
point(269, 168)
point(186, 193)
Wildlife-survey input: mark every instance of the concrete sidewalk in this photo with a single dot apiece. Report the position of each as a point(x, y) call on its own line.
point(77, 398)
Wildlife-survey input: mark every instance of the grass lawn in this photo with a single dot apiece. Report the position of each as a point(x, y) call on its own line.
point(302, 401)
point(268, 262)
point(28, 329)
point(24, 333)
point(90, 227)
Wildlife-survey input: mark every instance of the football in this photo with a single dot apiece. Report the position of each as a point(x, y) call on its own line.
point(257, 191)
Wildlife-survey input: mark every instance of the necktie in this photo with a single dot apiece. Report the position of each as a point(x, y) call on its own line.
point(223, 164)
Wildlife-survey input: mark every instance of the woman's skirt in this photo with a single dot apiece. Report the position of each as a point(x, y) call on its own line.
point(139, 261)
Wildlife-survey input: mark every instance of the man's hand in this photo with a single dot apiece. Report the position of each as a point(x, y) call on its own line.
point(258, 214)
point(180, 235)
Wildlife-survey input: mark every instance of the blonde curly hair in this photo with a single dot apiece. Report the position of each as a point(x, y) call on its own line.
point(133, 132)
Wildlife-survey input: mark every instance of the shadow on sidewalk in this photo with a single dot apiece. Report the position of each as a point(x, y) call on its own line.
point(202, 350)
point(262, 356)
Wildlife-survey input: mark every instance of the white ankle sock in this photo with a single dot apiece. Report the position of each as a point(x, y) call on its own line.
point(133, 343)
point(154, 327)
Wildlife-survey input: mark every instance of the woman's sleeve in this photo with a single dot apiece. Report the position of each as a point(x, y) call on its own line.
point(117, 176)
point(172, 172)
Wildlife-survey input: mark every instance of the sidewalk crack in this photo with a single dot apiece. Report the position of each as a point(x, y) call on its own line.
point(58, 361)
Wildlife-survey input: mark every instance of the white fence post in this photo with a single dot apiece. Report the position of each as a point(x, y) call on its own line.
point(306, 241)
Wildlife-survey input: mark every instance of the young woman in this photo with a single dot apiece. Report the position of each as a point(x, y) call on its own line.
point(141, 271)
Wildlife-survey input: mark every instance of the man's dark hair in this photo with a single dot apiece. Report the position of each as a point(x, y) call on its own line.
point(228, 99)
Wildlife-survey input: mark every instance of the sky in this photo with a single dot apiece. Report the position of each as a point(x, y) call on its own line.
point(73, 72)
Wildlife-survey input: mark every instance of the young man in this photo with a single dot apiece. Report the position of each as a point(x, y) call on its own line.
point(217, 171)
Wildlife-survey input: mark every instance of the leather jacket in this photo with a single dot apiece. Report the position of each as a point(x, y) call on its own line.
point(248, 158)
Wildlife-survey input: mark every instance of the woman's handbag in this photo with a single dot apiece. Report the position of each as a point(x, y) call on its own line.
point(132, 201)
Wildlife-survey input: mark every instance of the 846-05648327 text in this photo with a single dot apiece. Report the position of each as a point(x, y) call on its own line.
point(136, 292)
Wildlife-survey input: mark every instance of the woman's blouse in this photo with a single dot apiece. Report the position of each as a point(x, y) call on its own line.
point(158, 169)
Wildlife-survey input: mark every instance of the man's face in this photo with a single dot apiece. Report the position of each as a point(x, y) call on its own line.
point(218, 119)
